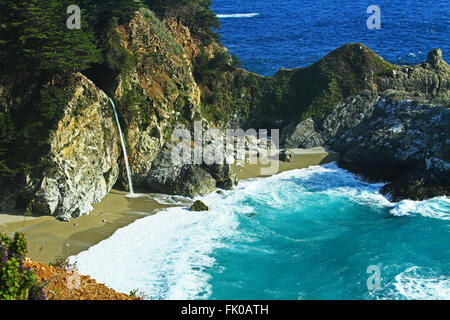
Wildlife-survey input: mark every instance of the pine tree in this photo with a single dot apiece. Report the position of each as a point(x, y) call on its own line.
point(35, 38)
point(99, 13)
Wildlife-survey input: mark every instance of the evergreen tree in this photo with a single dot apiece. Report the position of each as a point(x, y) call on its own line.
point(35, 38)
point(100, 12)
point(195, 14)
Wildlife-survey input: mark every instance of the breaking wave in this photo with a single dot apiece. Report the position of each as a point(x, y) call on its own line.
point(237, 15)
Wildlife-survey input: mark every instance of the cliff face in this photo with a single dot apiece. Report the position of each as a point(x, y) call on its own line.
point(381, 117)
point(157, 92)
point(83, 159)
point(398, 133)
point(81, 165)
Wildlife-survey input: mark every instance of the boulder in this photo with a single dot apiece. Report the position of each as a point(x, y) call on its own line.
point(286, 155)
point(224, 176)
point(187, 179)
point(199, 206)
point(304, 135)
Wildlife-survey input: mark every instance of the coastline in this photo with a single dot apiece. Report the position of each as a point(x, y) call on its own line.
point(50, 240)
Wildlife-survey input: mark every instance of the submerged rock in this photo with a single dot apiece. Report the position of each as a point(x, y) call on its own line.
point(199, 206)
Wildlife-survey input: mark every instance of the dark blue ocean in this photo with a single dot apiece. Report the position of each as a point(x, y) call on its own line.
point(269, 34)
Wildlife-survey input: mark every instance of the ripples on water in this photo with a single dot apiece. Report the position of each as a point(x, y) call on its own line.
point(268, 34)
point(303, 234)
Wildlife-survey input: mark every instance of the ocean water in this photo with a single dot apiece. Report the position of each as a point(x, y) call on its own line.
point(269, 34)
point(304, 234)
point(315, 233)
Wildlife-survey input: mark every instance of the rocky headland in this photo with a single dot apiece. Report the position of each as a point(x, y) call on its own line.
point(388, 122)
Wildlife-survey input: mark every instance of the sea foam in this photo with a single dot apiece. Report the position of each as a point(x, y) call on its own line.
point(172, 254)
point(164, 256)
point(418, 283)
point(437, 208)
point(237, 15)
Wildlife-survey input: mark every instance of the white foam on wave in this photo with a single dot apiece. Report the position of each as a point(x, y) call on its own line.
point(171, 199)
point(421, 284)
point(164, 256)
point(237, 15)
point(437, 208)
point(327, 179)
point(168, 255)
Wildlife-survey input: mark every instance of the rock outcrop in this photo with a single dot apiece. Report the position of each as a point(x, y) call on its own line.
point(381, 117)
point(157, 93)
point(399, 134)
point(82, 164)
point(187, 179)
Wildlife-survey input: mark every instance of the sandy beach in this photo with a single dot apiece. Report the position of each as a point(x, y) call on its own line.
point(50, 239)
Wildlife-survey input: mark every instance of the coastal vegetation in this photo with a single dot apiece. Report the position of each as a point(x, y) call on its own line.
point(164, 67)
point(16, 281)
point(38, 53)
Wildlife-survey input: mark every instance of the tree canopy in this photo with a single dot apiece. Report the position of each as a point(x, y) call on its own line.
point(35, 38)
point(38, 52)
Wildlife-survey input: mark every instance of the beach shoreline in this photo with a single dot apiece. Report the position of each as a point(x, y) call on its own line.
point(50, 240)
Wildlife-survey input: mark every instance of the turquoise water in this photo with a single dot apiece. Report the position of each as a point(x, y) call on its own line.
point(303, 234)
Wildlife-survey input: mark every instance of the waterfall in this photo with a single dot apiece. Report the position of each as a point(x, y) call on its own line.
point(130, 182)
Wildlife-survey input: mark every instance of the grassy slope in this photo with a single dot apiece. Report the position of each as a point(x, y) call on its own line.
point(297, 94)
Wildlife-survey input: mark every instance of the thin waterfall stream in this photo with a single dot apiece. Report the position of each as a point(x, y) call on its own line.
point(127, 165)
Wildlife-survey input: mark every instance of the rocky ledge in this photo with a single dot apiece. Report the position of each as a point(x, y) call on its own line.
point(82, 163)
point(399, 134)
point(187, 179)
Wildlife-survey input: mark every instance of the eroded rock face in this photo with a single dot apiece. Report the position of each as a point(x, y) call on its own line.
point(407, 144)
point(82, 163)
point(186, 179)
point(84, 155)
point(304, 135)
point(400, 134)
point(400, 120)
point(163, 90)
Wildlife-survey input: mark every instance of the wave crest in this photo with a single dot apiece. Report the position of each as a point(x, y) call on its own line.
point(237, 15)
point(437, 208)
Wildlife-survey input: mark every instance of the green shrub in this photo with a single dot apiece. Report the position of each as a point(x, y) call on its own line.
point(117, 57)
point(235, 62)
point(16, 282)
point(207, 69)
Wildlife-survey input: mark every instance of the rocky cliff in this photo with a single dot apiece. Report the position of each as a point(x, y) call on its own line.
point(398, 133)
point(384, 119)
point(81, 157)
point(82, 162)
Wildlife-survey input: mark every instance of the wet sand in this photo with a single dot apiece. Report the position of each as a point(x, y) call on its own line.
point(49, 239)
point(302, 158)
